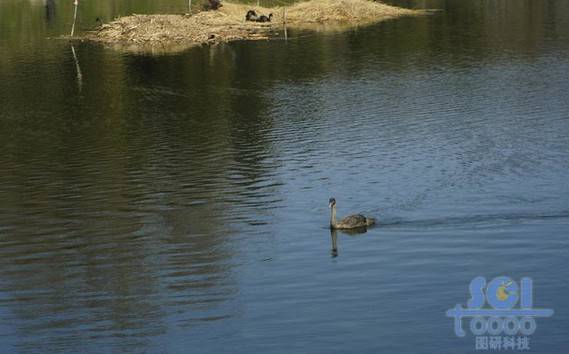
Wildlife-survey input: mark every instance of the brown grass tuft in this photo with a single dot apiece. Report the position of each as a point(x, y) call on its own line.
point(228, 23)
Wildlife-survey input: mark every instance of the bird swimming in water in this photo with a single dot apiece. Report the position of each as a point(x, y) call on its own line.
point(349, 222)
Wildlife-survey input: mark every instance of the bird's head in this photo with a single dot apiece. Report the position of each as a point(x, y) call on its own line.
point(331, 203)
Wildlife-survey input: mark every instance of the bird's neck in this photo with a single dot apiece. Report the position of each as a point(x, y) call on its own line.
point(333, 216)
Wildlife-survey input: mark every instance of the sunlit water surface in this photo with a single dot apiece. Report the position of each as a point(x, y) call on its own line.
point(179, 202)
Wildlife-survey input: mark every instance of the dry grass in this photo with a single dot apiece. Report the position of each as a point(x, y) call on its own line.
point(228, 23)
point(322, 11)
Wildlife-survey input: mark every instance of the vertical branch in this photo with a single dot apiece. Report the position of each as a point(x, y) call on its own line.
point(76, 4)
point(284, 24)
point(78, 69)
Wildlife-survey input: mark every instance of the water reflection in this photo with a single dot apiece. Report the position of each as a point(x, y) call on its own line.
point(348, 232)
point(78, 68)
point(76, 249)
point(50, 11)
point(334, 238)
point(123, 227)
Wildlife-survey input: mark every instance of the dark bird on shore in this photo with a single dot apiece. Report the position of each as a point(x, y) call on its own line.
point(251, 16)
point(349, 222)
point(214, 4)
point(264, 18)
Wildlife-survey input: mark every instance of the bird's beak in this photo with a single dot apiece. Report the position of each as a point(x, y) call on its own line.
point(329, 205)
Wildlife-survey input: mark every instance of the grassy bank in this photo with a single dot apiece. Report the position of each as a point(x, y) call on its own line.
point(228, 23)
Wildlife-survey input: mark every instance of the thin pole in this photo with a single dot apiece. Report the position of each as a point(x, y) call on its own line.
point(190, 7)
point(284, 24)
point(76, 3)
point(78, 69)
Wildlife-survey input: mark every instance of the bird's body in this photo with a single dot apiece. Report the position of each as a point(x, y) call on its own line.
point(353, 221)
point(264, 18)
point(214, 4)
point(349, 222)
point(251, 16)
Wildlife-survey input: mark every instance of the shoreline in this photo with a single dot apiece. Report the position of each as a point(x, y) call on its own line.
point(177, 32)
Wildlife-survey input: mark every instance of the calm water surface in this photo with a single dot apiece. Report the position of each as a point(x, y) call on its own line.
point(178, 202)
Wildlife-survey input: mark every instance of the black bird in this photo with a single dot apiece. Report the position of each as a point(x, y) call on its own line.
point(214, 4)
point(264, 18)
point(251, 16)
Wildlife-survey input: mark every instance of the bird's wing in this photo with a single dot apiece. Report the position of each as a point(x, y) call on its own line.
point(354, 220)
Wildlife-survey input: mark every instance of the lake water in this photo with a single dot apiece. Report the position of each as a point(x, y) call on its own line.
point(179, 203)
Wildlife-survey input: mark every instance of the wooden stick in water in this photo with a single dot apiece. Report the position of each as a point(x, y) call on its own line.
point(76, 4)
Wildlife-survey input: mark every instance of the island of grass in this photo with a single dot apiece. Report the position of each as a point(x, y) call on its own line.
point(228, 23)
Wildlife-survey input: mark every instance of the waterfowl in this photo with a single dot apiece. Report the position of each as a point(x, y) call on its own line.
point(264, 18)
point(251, 16)
point(214, 4)
point(349, 222)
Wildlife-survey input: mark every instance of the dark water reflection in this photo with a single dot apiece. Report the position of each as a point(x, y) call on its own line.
point(178, 202)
